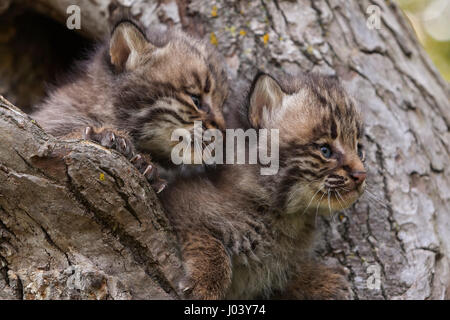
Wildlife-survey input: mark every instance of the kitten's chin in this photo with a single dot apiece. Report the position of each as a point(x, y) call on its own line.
point(345, 200)
point(341, 201)
point(324, 203)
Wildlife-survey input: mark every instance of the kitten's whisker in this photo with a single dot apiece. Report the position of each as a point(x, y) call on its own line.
point(329, 201)
point(372, 192)
point(374, 195)
point(317, 209)
point(333, 219)
point(339, 201)
point(337, 198)
point(378, 201)
point(312, 199)
point(337, 192)
point(372, 202)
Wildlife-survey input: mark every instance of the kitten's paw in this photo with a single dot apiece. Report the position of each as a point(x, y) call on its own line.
point(112, 139)
point(119, 141)
point(195, 290)
point(148, 169)
point(185, 287)
point(335, 285)
point(318, 282)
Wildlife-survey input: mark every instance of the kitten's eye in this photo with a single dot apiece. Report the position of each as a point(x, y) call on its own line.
point(326, 150)
point(360, 152)
point(196, 100)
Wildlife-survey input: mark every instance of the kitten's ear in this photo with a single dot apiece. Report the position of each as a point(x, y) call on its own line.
point(266, 96)
point(126, 44)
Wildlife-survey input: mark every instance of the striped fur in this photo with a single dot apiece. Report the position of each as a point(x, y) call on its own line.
point(141, 84)
point(246, 236)
point(333, 120)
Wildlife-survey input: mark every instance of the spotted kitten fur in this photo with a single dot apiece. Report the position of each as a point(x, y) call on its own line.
point(137, 89)
point(244, 235)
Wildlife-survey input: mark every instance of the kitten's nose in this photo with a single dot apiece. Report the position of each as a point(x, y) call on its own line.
point(358, 176)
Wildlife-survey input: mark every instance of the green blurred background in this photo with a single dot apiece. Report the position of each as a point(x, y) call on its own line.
point(431, 21)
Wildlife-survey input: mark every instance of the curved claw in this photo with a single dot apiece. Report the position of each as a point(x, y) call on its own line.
point(135, 158)
point(123, 143)
point(87, 133)
point(162, 185)
point(148, 171)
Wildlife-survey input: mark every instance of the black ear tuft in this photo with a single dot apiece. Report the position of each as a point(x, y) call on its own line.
point(118, 15)
point(125, 19)
point(258, 75)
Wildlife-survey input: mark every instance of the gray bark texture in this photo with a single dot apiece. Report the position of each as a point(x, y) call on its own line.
point(78, 221)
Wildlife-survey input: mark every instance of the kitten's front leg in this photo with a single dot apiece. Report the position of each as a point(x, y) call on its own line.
point(121, 142)
point(318, 282)
point(207, 267)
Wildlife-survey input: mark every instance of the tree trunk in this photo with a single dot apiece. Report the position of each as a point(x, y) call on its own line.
point(77, 220)
point(74, 222)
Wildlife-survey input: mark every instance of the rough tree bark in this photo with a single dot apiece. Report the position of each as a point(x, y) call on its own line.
point(77, 220)
point(67, 232)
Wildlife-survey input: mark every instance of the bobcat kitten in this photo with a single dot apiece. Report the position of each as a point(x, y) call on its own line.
point(244, 235)
point(136, 90)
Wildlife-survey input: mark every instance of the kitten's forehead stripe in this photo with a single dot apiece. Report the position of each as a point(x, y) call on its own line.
point(197, 79)
point(333, 129)
point(207, 87)
point(320, 131)
point(213, 70)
